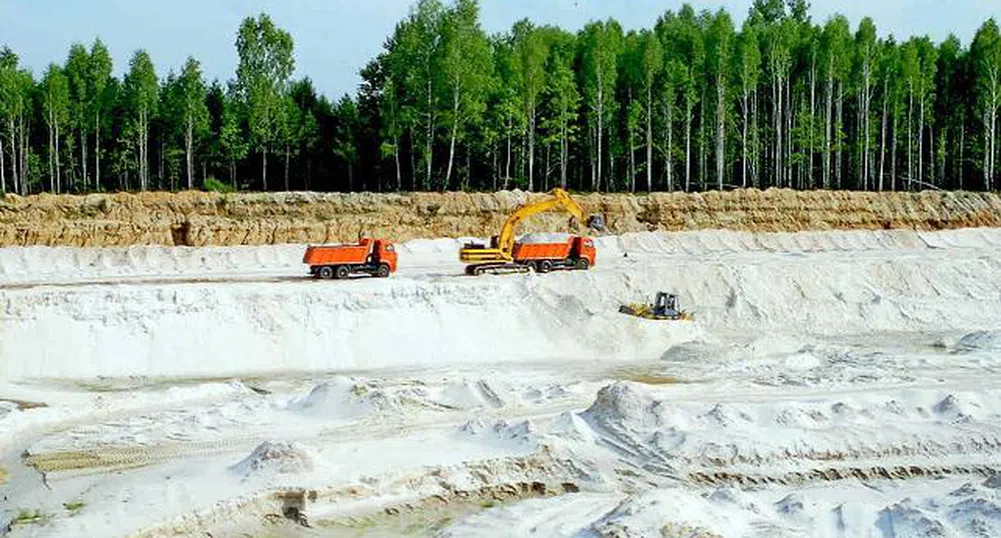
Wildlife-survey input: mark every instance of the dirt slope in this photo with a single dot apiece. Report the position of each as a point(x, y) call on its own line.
point(198, 218)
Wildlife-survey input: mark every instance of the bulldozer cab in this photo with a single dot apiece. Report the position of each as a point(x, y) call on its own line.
point(666, 304)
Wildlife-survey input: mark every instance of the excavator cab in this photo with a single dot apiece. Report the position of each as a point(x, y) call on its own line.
point(596, 222)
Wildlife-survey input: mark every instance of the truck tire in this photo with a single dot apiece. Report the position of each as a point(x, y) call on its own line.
point(545, 266)
point(533, 266)
point(582, 265)
point(326, 272)
point(382, 271)
point(341, 272)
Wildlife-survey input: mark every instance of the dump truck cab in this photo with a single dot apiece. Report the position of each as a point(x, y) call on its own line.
point(584, 249)
point(382, 252)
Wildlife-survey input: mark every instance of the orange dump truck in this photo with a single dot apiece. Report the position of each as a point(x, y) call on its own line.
point(375, 257)
point(576, 253)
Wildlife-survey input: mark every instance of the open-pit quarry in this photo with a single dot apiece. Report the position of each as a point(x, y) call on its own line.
point(167, 368)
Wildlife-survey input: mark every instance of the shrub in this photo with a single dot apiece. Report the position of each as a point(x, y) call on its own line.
point(214, 185)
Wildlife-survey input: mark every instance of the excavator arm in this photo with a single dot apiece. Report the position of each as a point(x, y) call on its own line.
point(504, 247)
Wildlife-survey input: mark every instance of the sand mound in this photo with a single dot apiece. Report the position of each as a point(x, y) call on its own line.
point(275, 458)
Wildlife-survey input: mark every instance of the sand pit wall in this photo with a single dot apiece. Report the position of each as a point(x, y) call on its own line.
point(210, 219)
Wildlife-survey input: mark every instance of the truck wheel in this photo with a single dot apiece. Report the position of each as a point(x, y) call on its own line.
point(533, 266)
point(382, 271)
point(342, 272)
point(582, 265)
point(326, 272)
point(545, 266)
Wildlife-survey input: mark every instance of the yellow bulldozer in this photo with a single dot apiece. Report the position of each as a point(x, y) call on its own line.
point(665, 308)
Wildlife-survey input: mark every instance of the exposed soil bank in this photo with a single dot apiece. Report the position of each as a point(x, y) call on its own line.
point(200, 219)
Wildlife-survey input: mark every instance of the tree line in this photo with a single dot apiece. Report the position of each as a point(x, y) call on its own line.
point(691, 103)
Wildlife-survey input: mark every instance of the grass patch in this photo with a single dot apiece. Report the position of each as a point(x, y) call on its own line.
point(29, 517)
point(3, 475)
point(73, 507)
point(646, 378)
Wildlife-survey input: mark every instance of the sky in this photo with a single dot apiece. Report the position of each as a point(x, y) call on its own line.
point(336, 38)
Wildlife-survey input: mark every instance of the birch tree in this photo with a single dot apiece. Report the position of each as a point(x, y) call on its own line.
point(142, 89)
point(986, 57)
point(100, 65)
point(262, 76)
point(56, 103)
point(192, 112)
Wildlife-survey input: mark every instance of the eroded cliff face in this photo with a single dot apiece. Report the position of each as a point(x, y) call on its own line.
point(199, 218)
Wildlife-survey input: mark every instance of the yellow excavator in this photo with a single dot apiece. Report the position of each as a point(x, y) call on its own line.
point(498, 258)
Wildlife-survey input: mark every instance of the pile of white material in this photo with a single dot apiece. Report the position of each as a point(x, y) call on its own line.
point(275, 458)
point(534, 238)
point(432, 315)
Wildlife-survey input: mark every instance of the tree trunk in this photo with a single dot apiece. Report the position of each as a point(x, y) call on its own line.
point(827, 125)
point(13, 154)
point(189, 145)
point(921, 140)
point(455, 132)
point(601, 121)
point(910, 138)
point(688, 145)
point(789, 111)
point(413, 161)
point(52, 168)
point(428, 138)
point(744, 138)
point(507, 163)
point(720, 146)
point(97, 151)
point(813, 117)
point(840, 126)
point(287, 155)
point(632, 149)
point(882, 141)
point(396, 160)
point(959, 162)
point(531, 147)
point(564, 150)
point(264, 168)
point(779, 166)
point(59, 179)
point(893, 154)
point(649, 138)
point(702, 142)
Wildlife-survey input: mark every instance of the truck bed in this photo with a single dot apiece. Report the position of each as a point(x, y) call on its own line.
point(336, 255)
point(542, 251)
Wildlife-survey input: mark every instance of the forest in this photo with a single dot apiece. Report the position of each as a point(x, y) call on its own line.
point(691, 103)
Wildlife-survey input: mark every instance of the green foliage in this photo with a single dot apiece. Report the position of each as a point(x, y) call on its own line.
point(214, 185)
point(781, 101)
